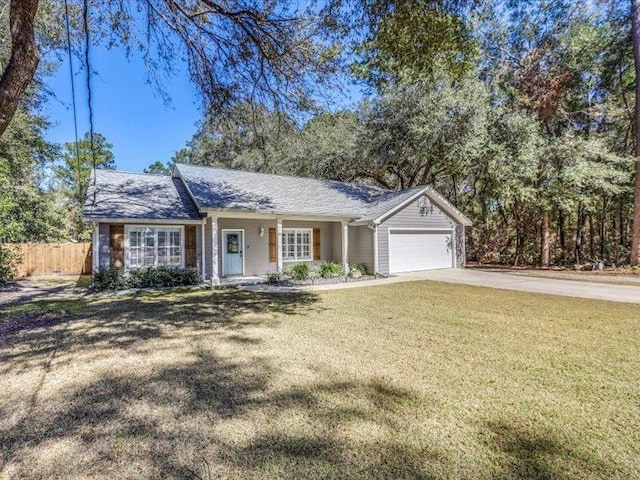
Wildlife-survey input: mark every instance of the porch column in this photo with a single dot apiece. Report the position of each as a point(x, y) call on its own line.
point(345, 247)
point(375, 249)
point(215, 278)
point(95, 247)
point(279, 244)
point(203, 248)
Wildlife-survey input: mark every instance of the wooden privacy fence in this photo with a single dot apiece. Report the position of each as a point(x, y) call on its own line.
point(54, 259)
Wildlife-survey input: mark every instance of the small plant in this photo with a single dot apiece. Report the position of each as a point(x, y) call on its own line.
point(329, 269)
point(163, 276)
point(148, 277)
point(9, 261)
point(300, 271)
point(361, 267)
point(274, 277)
point(109, 278)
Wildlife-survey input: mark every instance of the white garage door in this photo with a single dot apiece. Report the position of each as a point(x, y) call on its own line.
point(413, 250)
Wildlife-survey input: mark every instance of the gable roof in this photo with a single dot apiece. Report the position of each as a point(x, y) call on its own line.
point(194, 189)
point(235, 190)
point(123, 195)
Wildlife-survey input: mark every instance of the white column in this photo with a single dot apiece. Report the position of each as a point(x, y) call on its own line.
point(215, 277)
point(203, 249)
point(345, 247)
point(279, 244)
point(375, 249)
point(95, 253)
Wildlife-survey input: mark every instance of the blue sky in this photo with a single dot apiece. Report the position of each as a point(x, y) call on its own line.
point(129, 112)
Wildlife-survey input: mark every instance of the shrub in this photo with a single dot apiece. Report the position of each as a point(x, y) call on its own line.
point(274, 277)
point(361, 267)
point(163, 276)
point(329, 269)
point(9, 261)
point(300, 271)
point(107, 279)
point(113, 279)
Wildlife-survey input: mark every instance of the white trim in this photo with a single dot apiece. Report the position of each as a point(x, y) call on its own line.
point(127, 248)
point(295, 231)
point(407, 229)
point(279, 245)
point(345, 247)
point(215, 276)
point(441, 202)
point(203, 242)
point(142, 221)
point(375, 249)
point(224, 250)
point(231, 213)
point(95, 252)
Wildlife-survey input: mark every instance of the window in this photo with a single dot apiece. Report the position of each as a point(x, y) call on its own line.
point(296, 244)
point(153, 246)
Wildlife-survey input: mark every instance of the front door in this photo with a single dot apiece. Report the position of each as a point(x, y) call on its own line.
point(232, 251)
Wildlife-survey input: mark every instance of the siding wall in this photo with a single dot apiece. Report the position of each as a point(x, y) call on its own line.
point(409, 217)
point(104, 246)
point(257, 248)
point(361, 247)
point(104, 239)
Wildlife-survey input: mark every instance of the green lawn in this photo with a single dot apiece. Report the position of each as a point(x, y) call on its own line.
point(413, 380)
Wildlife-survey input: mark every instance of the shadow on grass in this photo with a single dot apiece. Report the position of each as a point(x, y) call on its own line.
point(207, 415)
point(110, 323)
point(534, 454)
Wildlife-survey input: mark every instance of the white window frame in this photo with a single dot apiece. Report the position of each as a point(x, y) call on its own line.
point(295, 232)
point(127, 247)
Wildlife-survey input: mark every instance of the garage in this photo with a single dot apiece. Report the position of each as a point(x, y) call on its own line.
point(414, 250)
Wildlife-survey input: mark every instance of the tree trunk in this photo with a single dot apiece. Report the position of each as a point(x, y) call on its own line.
point(579, 225)
point(544, 237)
point(592, 235)
point(635, 36)
point(23, 61)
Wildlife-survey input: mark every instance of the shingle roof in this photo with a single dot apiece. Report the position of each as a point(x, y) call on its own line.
point(121, 195)
point(218, 188)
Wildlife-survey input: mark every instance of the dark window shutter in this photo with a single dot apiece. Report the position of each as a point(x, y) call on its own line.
point(116, 246)
point(316, 244)
point(191, 254)
point(273, 245)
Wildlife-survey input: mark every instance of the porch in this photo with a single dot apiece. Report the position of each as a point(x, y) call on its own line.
point(251, 247)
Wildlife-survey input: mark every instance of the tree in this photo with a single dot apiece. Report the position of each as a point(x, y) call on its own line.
point(23, 60)
point(635, 35)
point(159, 168)
point(248, 137)
point(73, 172)
point(235, 50)
point(410, 40)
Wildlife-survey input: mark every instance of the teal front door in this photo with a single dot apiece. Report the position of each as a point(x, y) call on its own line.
point(232, 251)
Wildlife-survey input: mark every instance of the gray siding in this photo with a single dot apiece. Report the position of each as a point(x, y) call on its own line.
point(409, 217)
point(257, 248)
point(104, 239)
point(361, 246)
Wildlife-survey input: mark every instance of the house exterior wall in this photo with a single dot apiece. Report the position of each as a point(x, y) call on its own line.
point(360, 249)
point(104, 239)
point(411, 217)
point(256, 248)
point(104, 251)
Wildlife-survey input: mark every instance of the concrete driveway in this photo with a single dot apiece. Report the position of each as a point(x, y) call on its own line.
point(552, 286)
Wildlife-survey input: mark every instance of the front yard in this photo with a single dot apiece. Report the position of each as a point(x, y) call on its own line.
point(413, 380)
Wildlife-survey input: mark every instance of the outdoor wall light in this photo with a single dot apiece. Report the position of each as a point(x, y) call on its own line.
point(261, 232)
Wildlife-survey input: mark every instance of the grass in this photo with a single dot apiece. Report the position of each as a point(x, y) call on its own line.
point(414, 380)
